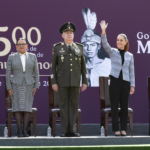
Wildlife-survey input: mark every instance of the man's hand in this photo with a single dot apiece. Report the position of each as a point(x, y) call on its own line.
point(10, 93)
point(83, 87)
point(55, 87)
point(34, 90)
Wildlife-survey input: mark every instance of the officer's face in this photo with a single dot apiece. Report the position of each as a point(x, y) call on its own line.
point(21, 46)
point(68, 36)
point(91, 49)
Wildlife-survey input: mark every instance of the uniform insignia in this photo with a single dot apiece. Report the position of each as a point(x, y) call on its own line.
point(57, 44)
point(53, 51)
point(62, 43)
point(79, 44)
point(62, 58)
point(62, 50)
point(77, 50)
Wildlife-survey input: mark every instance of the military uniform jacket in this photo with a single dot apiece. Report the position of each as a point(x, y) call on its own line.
point(67, 67)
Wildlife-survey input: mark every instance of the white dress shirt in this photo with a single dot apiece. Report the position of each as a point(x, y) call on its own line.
point(68, 44)
point(23, 60)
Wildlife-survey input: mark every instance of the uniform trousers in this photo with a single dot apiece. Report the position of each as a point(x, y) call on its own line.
point(68, 103)
point(119, 94)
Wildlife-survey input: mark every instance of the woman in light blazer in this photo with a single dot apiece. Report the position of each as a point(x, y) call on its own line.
point(23, 85)
point(122, 81)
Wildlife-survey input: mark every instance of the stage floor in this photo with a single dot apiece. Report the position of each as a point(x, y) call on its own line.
point(73, 141)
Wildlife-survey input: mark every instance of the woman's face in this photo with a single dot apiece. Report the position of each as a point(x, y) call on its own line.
point(121, 42)
point(91, 49)
point(21, 46)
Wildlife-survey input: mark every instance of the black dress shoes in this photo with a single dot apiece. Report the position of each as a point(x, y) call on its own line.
point(64, 135)
point(74, 135)
point(25, 133)
point(19, 134)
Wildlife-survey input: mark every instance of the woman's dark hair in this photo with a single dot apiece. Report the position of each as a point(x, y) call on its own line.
point(21, 39)
point(126, 39)
point(127, 46)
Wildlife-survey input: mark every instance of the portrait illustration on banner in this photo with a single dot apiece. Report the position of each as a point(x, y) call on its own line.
point(97, 61)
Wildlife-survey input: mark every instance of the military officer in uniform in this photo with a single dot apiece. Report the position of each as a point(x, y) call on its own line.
point(68, 66)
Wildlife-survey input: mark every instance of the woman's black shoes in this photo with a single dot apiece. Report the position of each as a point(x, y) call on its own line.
point(19, 134)
point(120, 134)
point(117, 134)
point(22, 133)
point(123, 134)
point(25, 133)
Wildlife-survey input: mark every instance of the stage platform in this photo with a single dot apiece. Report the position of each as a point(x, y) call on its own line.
point(86, 130)
point(90, 136)
point(72, 141)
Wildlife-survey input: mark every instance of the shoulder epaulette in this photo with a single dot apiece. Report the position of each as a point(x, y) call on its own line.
point(79, 44)
point(57, 44)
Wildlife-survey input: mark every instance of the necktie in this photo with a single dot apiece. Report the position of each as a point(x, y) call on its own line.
point(70, 48)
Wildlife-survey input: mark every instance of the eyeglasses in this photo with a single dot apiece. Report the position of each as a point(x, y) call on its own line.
point(19, 45)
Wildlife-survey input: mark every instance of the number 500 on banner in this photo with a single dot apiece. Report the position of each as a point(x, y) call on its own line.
point(8, 44)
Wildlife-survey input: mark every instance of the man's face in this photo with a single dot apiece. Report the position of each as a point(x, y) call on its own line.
point(91, 49)
point(21, 46)
point(68, 36)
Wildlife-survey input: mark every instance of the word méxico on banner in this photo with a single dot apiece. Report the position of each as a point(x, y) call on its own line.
point(141, 38)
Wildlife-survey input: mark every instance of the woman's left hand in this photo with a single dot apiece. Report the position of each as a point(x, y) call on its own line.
point(132, 90)
point(34, 90)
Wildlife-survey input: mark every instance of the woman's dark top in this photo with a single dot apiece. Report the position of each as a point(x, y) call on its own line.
point(122, 57)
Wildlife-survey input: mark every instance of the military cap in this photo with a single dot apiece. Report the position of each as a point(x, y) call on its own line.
point(67, 27)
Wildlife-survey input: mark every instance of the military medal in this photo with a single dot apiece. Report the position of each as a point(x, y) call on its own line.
point(77, 50)
point(62, 58)
point(76, 58)
point(62, 50)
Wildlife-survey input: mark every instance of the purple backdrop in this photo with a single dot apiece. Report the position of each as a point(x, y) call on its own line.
point(129, 17)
